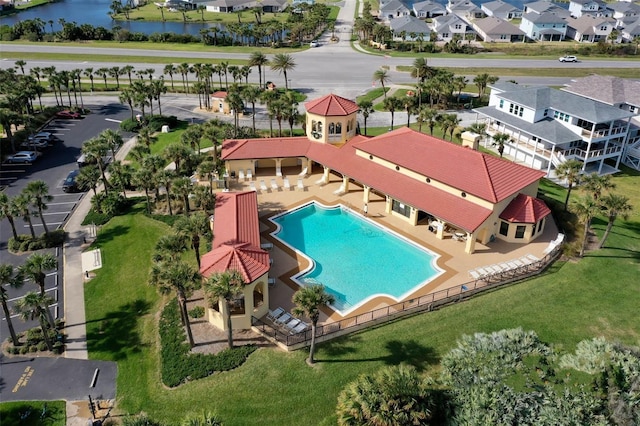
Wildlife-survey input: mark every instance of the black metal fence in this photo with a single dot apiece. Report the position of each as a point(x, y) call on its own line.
point(424, 303)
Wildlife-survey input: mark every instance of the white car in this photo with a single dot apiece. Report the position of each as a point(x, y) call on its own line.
point(23, 157)
point(568, 58)
point(314, 43)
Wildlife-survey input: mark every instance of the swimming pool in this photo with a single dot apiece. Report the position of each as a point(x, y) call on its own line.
point(355, 258)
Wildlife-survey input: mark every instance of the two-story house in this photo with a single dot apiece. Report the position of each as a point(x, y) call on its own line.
point(545, 26)
point(428, 9)
point(579, 8)
point(542, 6)
point(501, 9)
point(448, 26)
point(465, 9)
point(549, 126)
point(391, 9)
point(590, 28)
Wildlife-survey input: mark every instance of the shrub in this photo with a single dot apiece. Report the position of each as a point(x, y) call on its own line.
point(58, 348)
point(197, 312)
point(26, 242)
point(33, 348)
point(130, 125)
point(42, 346)
point(95, 218)
point(24, 349)
point(13, 350)
point(178, 364)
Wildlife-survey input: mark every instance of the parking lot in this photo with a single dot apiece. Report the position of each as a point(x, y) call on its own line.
point(52, 166)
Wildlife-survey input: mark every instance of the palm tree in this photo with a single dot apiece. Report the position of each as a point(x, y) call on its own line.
point(170, 69)
point(89, 177)
point(179, 277)
point(283, 62)
point(429, 116)
point(258, 59)
point(382, 75)
point(308, 301)
point(420, 70)
point(165, 178)
point(194, 227)
point(366, 109)
point(596, 184)
point(478, 128)
point(182, 187)
point(143, 179)
point(499, 139)
point(36, 306)
point(392, 105)
point(586, 208)
point(251, 94)
point(94, 150)
point(569, 171)
point(207, 169)
point(395, 395)
point(225, 285)
point(14, 280)
point(120, 176)
point(615, 205)
point(36, 266)
point(482, 81)
point(22, 205)
point(38, 193)
point(8, 210)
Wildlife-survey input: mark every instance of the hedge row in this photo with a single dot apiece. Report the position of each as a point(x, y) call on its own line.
point(26, 242)
point(178, 365)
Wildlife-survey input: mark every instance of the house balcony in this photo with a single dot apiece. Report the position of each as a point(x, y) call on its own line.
point(524, 143)
point(581, 154)
point(604, 133)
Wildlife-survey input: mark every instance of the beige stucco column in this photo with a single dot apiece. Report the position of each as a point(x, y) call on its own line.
point(388, 205)
point(439, 230)
point(471, 243)
point(278, 166)
point(413, 216)
point(345, 184)
point(325, 176)
point(366, 193)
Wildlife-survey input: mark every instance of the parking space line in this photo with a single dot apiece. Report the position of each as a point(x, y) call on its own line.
point(113, 120)
point(61, 203)
point(56, 213)
point(48, 223)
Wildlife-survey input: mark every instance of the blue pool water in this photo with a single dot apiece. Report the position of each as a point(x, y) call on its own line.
point(353, 257)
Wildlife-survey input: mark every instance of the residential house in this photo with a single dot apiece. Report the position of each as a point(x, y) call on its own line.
point(228, 6)
point(620, 93)
point(409, 28)
point(420, 182)
point(465, 9)
point(630, 31)
point(497, 30)
point(579, 8)
point(545, 26)
point(590, 28)
point(548, 126)
point(428, 9)
point(542, 6)
point(449, 26)
point(501, 9)
point(391, 9)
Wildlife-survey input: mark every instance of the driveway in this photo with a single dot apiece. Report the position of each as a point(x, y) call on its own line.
point(48, 379)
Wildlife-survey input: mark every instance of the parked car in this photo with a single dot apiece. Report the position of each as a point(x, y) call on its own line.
point(70, 184)
point(568, 58)
point(314, 43)
point(42, 136)
point(68, 114)
point(35, 144)
point(25, 157)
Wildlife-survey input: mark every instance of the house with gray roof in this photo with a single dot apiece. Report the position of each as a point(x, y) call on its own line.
point(428, 9)
point(448, 26)
point(501, 9)
point(622, 93)
point(630, 31)
point(409, 28)
point(391, 9)
point(590, 28)
point(579, 8)
point(548, 127)
point(496, 30)
point(544, 26)
point(546, 6)
point(465, 9)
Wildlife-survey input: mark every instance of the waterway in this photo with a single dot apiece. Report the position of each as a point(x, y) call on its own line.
point(95, 13)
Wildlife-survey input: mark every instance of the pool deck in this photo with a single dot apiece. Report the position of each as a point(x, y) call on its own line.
point(453, 258)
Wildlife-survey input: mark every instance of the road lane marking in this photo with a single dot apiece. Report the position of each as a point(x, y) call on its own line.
point(23, 381)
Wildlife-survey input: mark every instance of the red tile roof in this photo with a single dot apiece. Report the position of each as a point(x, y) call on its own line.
point(525, 209)
point(236, 241)
point(331, 105)
point(485, 176)
point(219, 94)
point(239, 149)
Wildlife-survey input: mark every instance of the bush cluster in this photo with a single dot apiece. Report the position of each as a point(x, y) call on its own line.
point(32, 342)
point(178, 365)
point(197, 312)
point(26, 242)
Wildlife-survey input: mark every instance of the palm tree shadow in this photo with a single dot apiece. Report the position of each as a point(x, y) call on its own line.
point(117, 333)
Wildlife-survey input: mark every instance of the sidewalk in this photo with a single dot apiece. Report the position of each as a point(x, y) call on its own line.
point(74, 280)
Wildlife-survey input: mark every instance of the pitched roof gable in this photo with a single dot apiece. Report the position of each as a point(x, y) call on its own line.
point(331, 105)
point(239, 149)
point(607, 89)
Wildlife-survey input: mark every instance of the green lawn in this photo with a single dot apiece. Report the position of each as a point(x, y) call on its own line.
point(596, 296)
point(33, 413)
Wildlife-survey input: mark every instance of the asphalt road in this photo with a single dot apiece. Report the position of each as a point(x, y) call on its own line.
point(52, 166)
point(49, 379)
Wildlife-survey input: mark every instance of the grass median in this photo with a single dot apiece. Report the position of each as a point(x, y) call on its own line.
point(572, 301)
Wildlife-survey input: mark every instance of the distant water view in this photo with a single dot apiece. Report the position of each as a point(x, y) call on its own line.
point(95, 13)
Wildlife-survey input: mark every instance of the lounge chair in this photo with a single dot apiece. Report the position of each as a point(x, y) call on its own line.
point(299, 328)
point(276, 313)
point(252, 186)
point(249, 174)
point(274, 185)
point(266, 246)
point(300, 184)
point(241, 175)
point(263, 186)
point(290, 325)
point(303, 172)
point(283, 319)
point(476, 275)
point(533, 258)
point(278, 171)
point(287, 185)
point(552, 245)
